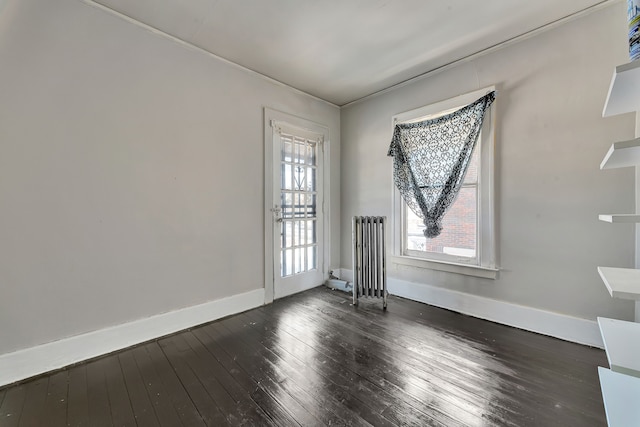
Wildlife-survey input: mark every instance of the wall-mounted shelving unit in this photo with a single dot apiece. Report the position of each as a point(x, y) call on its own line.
point(623, 97)
point(623, 283)
point(621, 394)
point(619, 218)
point(624, 91)
point(622, 154)
point(622, 345)
point(621, 384)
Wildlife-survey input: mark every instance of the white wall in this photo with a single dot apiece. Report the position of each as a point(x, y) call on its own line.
point(131, 172)
point(551, 138)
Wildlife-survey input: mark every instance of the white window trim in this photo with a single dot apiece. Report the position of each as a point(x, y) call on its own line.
point(485, 261)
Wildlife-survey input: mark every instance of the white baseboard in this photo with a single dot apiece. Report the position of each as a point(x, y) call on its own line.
point(568, 328)
point(33, 361)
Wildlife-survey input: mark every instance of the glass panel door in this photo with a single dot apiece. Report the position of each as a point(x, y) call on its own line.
point(298, 219)
point(298, 198)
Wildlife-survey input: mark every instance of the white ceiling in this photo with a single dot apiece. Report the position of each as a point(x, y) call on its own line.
point(343, 50)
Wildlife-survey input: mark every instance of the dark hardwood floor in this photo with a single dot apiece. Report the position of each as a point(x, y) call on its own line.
point(313, 359)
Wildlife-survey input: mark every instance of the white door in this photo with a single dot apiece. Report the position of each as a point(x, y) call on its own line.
point(296, 208)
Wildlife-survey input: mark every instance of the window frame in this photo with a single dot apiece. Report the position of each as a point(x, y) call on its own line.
point(484, 263)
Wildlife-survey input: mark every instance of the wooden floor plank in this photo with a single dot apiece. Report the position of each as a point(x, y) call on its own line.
point(77, 403)
point(233, 402)
point(175, 351)
point(214, 345)
point(163, 407)
point(401, 332)
point(187, 411)
point(520, 356)
point(34, 402)
point(531, 378)
point(264, 387)
point(12, 405)
point(532, 374)
point(303, 406)
point(314, 359)
point(141, 405)
point(209, 384)
point(375, 390)
point(98, 395)
point(55, 406)
point(316, 390)
point(121, 411)
point(385, 358)
point(371, 414)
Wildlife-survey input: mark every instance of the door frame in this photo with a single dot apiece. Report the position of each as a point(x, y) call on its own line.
point(271, 116)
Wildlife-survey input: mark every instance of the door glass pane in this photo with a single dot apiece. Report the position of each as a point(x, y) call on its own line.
point(311, 232)
point(311, 258)
point(298, 200)
point(300, 178)
point(287, 234)
point(294, 231)
point(311, 180)
point(287, 204)
point(311, 205)
point(287, 148)
point(300, 232)
point(286, 261)
point(287, 175)
point(301, 151)
point(312, 154)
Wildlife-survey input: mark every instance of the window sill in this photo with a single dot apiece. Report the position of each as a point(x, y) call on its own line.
point(451, 267)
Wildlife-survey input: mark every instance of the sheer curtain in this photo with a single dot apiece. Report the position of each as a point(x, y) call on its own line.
point(431, 157)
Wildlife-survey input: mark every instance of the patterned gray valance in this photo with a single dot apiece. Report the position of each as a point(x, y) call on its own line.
point(430, 160)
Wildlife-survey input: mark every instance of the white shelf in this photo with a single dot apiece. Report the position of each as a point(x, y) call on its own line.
point(622, 154)
point(621, 394)
point(621, 283)
point(622, 344)
point(624, 91)
point(619, 218)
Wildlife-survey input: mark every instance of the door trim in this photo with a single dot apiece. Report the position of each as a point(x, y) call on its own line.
point(271, 115)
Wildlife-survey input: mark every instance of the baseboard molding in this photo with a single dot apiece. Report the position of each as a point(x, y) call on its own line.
point(33, 361)
point(568, 328)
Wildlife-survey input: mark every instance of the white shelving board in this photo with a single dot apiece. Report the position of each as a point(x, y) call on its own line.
point(624, 90)
point(622, 345)
point(622, 154)
point(619, 218)
point(621, 283)
point(621, 394)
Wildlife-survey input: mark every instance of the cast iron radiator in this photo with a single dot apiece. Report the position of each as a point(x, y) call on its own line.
point(369, 258)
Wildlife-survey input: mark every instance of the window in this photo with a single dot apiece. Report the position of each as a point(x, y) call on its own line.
point(466, 244)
